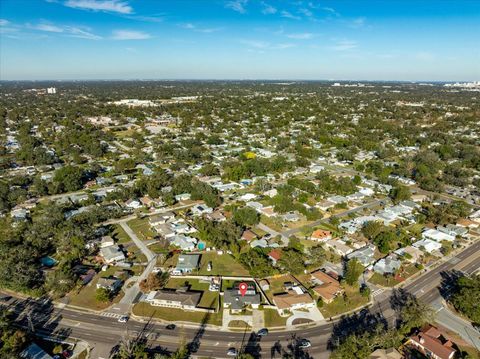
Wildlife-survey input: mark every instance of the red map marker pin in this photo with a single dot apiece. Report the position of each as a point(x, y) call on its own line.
point(243, 288)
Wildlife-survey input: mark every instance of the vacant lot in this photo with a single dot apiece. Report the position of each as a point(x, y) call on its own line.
point(222, 264)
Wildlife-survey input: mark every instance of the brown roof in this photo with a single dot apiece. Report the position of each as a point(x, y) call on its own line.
point(248, 235)
point(275, 254)
point(434, 341)
point(320, 233)
point(466, 223)
point(286, 300)
point(329, 287)
point(189, 298)
point(390, 353)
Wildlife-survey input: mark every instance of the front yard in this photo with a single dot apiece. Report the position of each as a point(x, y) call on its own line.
point(351, 300)
point(142, 228)
point(175, 315)
point(273, 319)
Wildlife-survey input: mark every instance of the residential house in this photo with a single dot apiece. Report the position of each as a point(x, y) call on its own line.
point(291, 300)
point(467, 223)
point(325, 205)
point(187, 263)
point(216, 216)
point(364, 255)
point(165, 230)
point(455, 230)
point(432, 343)
point(321, 235)
point(161, 218)
point(237, 301)
point(112, 254)
point(387, 265)
point(427, 245)
point(133, 204)
point(181, 298)
point(275, 255)
point(410, 254)
point(183, 197)
point(289, 217)
point(437, 236)
point(249, 235)
point(201, 209)
point(326, 286)
point(185, 243)
point(147, 201)
point(106, 241)
point(110, 284)
point(339, 246)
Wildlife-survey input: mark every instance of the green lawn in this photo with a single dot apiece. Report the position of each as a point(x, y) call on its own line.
point(120, 235)
point(208, 299)
point(341, 304)
point(142, 228)
point(86, 296)
point(384, 281)
point(273, 319)
point(224, 264)
point(173, 315)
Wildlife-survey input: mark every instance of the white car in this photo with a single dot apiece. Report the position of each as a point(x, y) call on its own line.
point(232, 352)
point(123, 319)
point(304, 344)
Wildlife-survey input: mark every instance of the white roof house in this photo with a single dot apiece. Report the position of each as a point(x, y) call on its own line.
point(427, 245)
point(438, 236)
point(201, 209)
point(112, 254)
point(184, 242)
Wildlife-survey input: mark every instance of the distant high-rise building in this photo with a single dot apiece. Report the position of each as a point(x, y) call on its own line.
point(51, 90)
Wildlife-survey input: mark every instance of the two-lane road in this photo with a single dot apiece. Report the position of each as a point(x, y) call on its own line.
point(214, 343)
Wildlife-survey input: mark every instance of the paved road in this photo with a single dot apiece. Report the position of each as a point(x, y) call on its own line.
point(292, 231)
point(453, 322)
point(94, 328)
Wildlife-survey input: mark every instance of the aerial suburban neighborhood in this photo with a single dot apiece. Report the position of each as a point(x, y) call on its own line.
point(242, 218)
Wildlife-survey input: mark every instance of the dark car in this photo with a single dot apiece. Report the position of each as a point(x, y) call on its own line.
point(304, 343)
point(262, 332)
point(170, 327)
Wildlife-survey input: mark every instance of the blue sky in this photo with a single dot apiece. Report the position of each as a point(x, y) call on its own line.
point(240, 39)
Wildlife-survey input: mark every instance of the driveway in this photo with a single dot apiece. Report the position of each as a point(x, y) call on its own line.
point(312, 314)
point(227, 318)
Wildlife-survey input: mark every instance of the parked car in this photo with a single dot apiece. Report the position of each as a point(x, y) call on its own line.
point(123, 319)
point(262, 332)
point(232, 352)
point(304, 343)
point(170, 327)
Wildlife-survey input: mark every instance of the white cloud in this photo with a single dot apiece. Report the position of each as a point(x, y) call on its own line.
point(263, 45)
point(72, 31)
point(301, 36)
point(237, 5)
point(306, 12)
point(358, 22)
point(121, 7)
point(345, 45)
point(129, 35)
point(268, 9)
point(331, 11)
point(289, 15)
point(46, 27)
point(4, 22)
point(205, 30)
